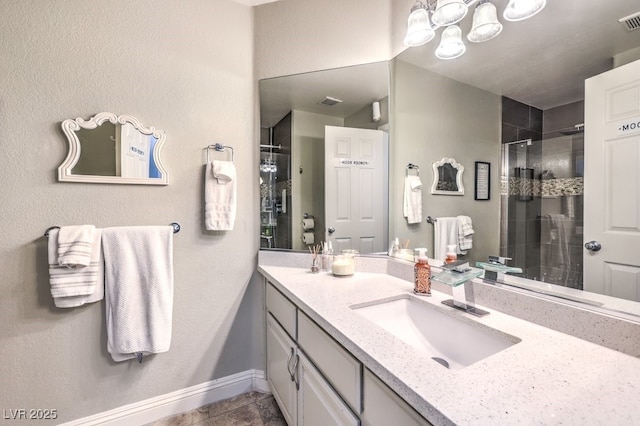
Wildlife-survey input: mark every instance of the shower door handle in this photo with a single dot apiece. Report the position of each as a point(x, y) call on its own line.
point(331, 230)
point(593, 246)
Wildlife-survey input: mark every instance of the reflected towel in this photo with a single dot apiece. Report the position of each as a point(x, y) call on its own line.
point(445, 234)
point(412, 207)
point(71, 287)
point(220, 196)
point(465, 234)
point(138, 289)
point(555, 239)
point(74, 245)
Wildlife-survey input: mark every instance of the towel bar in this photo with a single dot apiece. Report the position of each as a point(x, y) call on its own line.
point(175, 225)
point(431, 220)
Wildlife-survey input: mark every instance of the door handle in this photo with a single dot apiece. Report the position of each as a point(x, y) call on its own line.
point(593, 246)
point(331, 230)
point(289, 369)
point(295, 372)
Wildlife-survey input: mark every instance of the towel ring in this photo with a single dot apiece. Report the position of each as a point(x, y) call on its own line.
point(219, 147)
point(412, 166)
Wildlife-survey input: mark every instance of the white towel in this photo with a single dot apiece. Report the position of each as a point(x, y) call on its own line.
point(220, 196)
point(445, 234)
point(74, 245)
point(555, 239)
point(71, 287)
point(465, 234)
point(138, 289)
point(412, 207)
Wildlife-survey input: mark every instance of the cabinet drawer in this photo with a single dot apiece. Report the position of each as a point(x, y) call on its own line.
point(382, 406)
point(282, 309)
point(341, 369)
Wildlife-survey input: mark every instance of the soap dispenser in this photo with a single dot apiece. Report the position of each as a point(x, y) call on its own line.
point(422, 275)
point(452, 256)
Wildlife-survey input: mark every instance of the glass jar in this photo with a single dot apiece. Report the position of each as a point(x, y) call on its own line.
point(343, 265)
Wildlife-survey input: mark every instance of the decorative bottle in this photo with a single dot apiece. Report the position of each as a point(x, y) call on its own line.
point(422, 275)
point(452, 256)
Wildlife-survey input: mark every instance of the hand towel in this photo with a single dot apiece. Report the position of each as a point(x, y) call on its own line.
point(220, 196)
point(71, 287)
point(74, 245)
point(465, 234)
point(138, 289)
point(412, 208)
point(445, 234)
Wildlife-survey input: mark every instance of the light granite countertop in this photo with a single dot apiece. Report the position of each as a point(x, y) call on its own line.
point(547, 378)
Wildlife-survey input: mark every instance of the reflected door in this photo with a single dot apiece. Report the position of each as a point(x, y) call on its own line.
point(135, 152)
point(612, 176)
point(356, 195)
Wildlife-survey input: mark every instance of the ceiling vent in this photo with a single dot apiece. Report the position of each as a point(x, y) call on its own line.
point(631, 22)
point(329, 101)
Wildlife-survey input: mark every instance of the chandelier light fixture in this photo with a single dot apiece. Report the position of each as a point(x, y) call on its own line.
point(421, 25)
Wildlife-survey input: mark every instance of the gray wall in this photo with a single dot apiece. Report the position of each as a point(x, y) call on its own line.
point(190, 69)
point(433, 117)
point(185, 68)
point(308, 187)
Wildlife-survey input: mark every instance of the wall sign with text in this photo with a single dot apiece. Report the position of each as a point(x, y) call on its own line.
point(483, 183)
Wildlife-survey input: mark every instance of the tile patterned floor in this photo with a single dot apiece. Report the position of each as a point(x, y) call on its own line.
point(251, 409)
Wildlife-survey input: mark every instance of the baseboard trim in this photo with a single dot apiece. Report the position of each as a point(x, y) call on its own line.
point(179, 401)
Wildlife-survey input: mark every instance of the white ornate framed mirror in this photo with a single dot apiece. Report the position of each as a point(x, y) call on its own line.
point(447, 177)
point(111, 148)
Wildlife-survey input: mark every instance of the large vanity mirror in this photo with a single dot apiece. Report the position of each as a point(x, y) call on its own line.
point(517, 103)
point(109, 148)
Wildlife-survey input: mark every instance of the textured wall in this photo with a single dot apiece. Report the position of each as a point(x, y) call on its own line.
point(186, 68)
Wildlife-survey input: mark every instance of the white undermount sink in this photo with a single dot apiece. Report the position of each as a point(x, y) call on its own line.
point(452, 342)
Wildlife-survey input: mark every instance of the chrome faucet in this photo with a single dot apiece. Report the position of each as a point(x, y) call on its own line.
point(495, 275)
point(459, 276)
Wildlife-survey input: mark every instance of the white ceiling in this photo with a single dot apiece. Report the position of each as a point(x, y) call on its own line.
point(356, 86)
point(542, 61)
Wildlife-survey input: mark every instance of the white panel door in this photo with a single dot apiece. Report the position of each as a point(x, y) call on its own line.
point(356, 195)
point(612, 183)
point(134, 152)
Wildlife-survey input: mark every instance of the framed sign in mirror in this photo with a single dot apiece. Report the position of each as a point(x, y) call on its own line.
point(113, 149)
point(482, 181)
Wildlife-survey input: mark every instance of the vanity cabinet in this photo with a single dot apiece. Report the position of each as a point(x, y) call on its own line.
point(303, 393)
point(317, 382)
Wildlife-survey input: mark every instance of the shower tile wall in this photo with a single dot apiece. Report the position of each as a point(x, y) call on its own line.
point(542, 191)
point(522, 226)
point(281, 232)
point(282, 136)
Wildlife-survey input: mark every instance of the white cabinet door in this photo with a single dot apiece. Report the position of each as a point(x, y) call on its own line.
point(381, 406)
point(318, 403)
point(280, 357)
